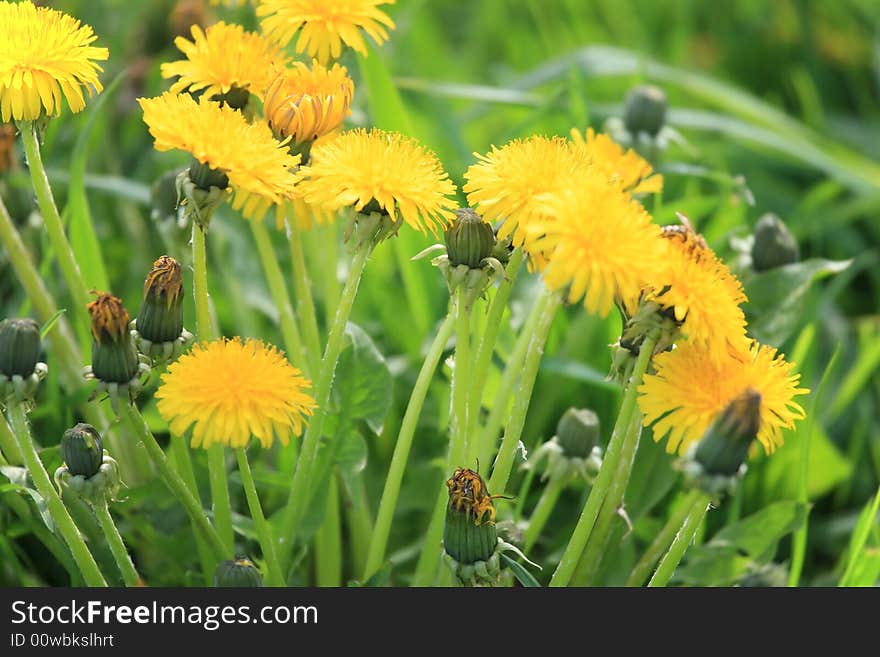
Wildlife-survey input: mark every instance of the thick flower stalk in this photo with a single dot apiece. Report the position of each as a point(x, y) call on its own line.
point(323, 26)
point(388, 180)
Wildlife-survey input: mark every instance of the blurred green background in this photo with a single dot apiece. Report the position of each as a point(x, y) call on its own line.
point(776, 106)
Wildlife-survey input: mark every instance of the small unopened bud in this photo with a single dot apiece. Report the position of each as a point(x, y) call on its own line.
point(725, 445)
point(20, 346)
point(469, 239)
point(160, 318)
point(82, 450)
point(114, 357)
point(578, 432)
point(239, 573)
point(236, 98)
point(205, 177)
point(774, 245)
point(645, 110)
point(164, 197)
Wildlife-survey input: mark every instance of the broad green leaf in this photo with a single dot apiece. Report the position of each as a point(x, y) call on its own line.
point(351, 453)
point(18, 478)
point(758, 534)
point(827, 466)
point(776, 297)
point(363, 381)
point(712, 565)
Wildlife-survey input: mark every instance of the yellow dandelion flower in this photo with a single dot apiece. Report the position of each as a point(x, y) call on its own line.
point(323, 25)
point(306, 103)
point(230, 390)
point(224, 57)
point(690, 388)
point(700, 290)
point(396, 172)
point(600, 244)
point(511, 184)
point(625, 168)
point(259, 168)
point(44, 54)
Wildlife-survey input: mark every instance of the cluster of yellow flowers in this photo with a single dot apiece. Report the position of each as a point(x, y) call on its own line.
point(573, 206)
point(571, 203)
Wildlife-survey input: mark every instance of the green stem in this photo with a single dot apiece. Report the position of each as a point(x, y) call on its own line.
point(517, 420)
point(587, 520)
point(281, 298)
point(9, 449)
point(487, 343)
point(591, 558)
point(204, 325)
point(391, 491)
point(429, 559)
point(66, 349)
point(299, 489)
point(328, 541)
point(205, 331)
point(79, 291)
point(358, 520)
point(174, 481)
point(460, 383)
point(682, 541)
point(659, 546)
point(182, 463)
point(305, 301)
point(264, 530)
point(543, 509)
point(458, 443)
point(487, 438)
point(117, 545)
point(65, 524)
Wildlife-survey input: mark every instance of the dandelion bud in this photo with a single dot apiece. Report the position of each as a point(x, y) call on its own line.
point(82, 450)
point(725, 445)
point(578, 432)
point(114, 357)
point(774, 245)
point(161, 315)
point(305, 103)
point(645, 110)
point(236, 98)
point(20, 347)
point(163, 196)
point(238, 573)
point(469, 534)
point(205, 177)
point(469, 239)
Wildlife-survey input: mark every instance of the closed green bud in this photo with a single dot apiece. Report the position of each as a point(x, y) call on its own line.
point(237, 573)
point(578, 432)
point(163, 196)
point(237, 98)
point(82, 450)
point(469, 533)
point(774, 245)
point(160, 318)
point(644, 109)
point(20, 346)
point(114, 356)
point(725, 446)
point(469, 240)
point(204, 177)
